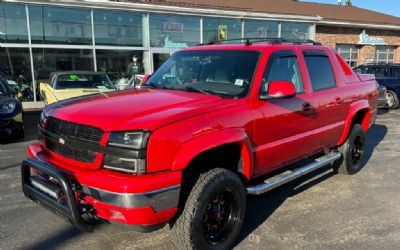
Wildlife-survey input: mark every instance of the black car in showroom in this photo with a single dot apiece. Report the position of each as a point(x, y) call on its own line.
point(387, 75)
point(11, 116)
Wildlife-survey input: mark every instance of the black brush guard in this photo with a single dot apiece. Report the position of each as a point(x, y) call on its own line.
point(68, 209)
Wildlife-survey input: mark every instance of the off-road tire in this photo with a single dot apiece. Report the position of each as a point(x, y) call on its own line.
point(188, 229)
point(396, 101)
point(353, 151)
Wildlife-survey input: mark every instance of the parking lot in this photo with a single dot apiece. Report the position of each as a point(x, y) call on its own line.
point(321, 210)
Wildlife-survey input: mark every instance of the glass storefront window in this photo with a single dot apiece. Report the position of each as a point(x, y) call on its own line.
point(261, 29)
point(385, 54)
point(120, 64)
point(118, 28)
point(51, 25)
point(216, 29)
point(15, 66)
point(13, 27)
point(174, 32)
point(46, 61)
point(301, 31)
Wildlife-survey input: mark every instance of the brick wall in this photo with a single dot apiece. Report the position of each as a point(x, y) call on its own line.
point(331, 36)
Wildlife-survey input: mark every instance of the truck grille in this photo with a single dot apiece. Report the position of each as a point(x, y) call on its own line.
point(73, 131)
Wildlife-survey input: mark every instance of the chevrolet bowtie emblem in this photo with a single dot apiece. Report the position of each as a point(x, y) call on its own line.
point(61, 141)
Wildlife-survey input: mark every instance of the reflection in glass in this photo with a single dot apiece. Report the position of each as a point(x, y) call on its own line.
point(260, 29)
point(47, 61)
point(15, 65)
point(118, 28)
point(296, 30)
point(159, 59)
point(120, 64)
point(13, 27)
point(174, 32)
point(60, 25)
point(216, 29)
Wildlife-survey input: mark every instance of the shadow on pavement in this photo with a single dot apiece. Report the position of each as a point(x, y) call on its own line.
point(31, 120)
point(260, 208)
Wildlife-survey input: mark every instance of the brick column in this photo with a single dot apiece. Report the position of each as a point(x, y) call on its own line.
point(366, 52)
point(397, 55)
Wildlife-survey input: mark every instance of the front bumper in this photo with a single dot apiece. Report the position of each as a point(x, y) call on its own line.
point(141, 210)
point(382, 103)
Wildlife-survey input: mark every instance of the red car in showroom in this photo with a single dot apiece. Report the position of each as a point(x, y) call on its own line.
point(202, 133)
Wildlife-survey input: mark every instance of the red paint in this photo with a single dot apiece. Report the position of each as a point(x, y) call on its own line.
point(281, 89)
point(271, 133)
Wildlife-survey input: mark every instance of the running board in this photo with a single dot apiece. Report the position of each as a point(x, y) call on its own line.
point(289, 176)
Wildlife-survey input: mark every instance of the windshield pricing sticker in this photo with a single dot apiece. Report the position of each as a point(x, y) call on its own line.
point(239, 82)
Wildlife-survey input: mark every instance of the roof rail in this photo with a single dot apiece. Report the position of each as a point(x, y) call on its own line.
point(272, 40)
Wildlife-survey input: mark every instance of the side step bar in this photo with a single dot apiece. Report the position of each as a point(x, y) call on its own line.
point(289, 176)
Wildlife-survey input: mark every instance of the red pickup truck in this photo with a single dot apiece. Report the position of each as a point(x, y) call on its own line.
point(205, 130)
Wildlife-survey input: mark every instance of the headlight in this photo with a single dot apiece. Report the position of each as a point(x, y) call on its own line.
point(8, 107)
point(43, 119)
point(135, 140)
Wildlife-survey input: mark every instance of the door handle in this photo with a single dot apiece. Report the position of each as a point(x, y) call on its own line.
point(307, 108)
point(338, 100)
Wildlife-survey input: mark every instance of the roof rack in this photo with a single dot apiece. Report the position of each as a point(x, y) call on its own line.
point(272, 40)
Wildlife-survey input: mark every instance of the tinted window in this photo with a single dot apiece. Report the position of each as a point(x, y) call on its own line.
point(379, 71)
point(395, 72)
point(283, 68)
point(321, 73)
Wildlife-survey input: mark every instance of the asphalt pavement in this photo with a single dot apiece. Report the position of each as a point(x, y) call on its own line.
point(319, 211)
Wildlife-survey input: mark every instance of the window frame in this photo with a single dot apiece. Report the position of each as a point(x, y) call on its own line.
point(351, 51)
point(282, 54)
point(388, 50)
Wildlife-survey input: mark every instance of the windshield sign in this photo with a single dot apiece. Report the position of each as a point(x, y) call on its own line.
point(86, 81)
point(224, 73)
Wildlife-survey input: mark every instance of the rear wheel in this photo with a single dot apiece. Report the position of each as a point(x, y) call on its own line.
point(393, 99)
point(213, 214)
point(353, 152)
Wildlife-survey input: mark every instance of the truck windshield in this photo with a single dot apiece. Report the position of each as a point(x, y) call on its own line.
point(227, 73)
point(86, 81)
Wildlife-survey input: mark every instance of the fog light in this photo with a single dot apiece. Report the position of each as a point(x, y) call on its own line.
point(127, 165)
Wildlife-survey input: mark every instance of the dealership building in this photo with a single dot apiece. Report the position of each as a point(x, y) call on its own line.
point(39, 37)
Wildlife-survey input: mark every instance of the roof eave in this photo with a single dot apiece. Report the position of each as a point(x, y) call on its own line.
point(359, 25)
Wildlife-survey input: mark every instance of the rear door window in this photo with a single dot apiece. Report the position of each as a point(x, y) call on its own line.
point(320, 70)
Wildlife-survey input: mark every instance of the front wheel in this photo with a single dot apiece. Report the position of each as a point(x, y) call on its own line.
point(213, 214)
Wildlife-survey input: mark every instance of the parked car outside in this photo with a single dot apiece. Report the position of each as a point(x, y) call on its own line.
point(65, 85)
point(209, 127)
point(383, 97)
point(11, 116)
point(126, 83)
point(387, 75)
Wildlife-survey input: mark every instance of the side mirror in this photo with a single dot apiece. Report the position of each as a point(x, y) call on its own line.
point(279, 90)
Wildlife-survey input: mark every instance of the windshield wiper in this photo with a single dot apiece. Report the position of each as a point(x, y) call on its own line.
point(194, 89)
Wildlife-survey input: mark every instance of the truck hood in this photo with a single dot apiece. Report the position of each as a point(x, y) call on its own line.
point(134, 109)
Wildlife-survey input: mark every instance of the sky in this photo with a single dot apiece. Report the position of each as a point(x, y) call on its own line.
point(391, 7)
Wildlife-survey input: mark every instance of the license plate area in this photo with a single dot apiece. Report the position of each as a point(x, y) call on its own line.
point(50, 187)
